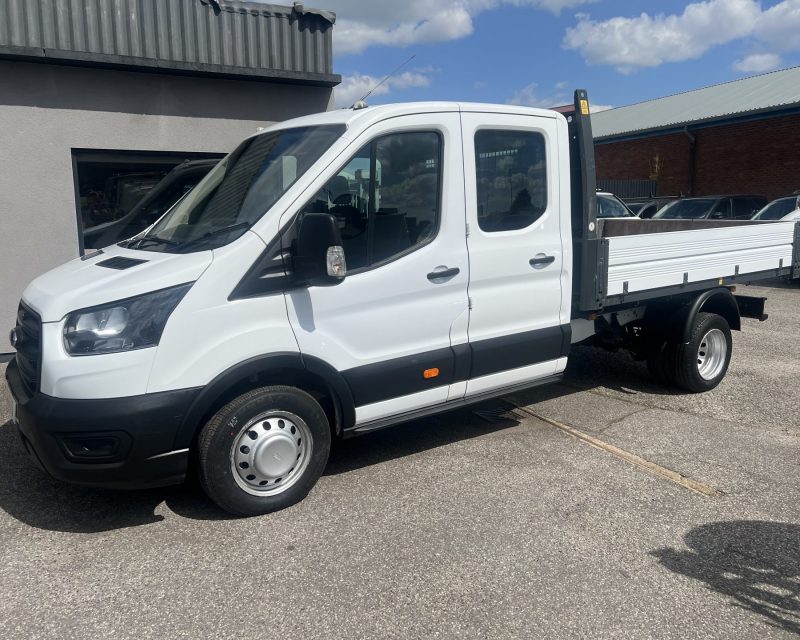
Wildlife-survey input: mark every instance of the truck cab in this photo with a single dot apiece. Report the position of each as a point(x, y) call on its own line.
point(335, 274)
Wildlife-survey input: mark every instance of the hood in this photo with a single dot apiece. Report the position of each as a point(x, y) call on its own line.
point(83, 283)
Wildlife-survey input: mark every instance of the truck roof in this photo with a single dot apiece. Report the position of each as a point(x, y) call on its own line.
point(366, 115)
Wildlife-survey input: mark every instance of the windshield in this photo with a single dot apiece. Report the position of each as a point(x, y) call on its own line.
point(636, 207)
point(239, 190)
point(691, 209)
point(776, 209)
point(610, 207)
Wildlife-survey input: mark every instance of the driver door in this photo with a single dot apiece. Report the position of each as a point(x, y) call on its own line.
point(390, 326)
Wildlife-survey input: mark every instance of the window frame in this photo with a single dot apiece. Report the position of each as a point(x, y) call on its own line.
point(372, 143)
point(513, 129)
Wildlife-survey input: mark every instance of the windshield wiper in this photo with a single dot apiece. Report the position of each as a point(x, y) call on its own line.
point(151, 240)
point(215, 232)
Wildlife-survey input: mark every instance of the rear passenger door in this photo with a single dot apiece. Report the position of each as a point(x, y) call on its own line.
point(519, 293)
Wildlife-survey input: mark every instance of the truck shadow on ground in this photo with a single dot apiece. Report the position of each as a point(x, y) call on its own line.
point(754, 563)
point(30, 496)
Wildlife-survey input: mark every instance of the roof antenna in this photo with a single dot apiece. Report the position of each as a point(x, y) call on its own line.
point(361, 104)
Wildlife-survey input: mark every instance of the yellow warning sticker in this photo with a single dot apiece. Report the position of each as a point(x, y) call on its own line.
point(584, 107)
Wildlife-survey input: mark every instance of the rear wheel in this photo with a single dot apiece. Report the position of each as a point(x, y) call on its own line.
point(264, 451)
point(701, 364)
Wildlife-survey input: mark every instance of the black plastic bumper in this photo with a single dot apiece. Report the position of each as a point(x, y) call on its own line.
point(122, 443)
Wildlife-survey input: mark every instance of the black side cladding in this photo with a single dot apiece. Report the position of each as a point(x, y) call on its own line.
point(589, 269)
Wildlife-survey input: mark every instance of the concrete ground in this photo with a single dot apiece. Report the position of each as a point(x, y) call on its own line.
point(472, 525)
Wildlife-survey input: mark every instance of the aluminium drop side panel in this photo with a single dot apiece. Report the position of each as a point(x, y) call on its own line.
point(642, 262)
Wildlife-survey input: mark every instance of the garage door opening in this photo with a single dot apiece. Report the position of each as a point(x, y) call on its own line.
point(121, 193)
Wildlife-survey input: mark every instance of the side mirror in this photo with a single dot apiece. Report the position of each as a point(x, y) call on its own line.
point(319, 258)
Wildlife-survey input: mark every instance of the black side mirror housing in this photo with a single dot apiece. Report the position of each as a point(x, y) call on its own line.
point(319, 255)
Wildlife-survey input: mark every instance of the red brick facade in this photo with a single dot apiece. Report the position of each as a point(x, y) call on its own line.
point(760, 157)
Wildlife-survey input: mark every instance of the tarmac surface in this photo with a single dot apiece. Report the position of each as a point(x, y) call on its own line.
point(485, 523)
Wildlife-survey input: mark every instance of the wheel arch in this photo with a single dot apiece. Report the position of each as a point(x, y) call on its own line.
point(307, 373)
point(719, 300)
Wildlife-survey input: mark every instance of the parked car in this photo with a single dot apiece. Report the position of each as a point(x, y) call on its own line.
point(151, 207)
point(610, 206)
point(779, 209)
point(713, 208)
point(646, 209)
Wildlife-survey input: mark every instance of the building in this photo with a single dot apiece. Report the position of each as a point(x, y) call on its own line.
point(741, 137)
point(102, 97)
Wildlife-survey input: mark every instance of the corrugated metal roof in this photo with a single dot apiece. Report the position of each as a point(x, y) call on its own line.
point(767, 92)
point(228, 38)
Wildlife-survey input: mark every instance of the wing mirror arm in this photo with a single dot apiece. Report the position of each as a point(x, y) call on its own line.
point(319, 259)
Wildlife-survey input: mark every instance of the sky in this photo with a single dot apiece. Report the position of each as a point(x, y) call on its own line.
point(535, 52)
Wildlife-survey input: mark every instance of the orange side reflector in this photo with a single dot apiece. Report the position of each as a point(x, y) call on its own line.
point(430, 373)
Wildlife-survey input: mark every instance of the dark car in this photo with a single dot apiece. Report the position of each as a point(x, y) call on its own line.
point(610, 206)
point(712, 208)
point(646, 209)
point(779, 208)
point(151, 207)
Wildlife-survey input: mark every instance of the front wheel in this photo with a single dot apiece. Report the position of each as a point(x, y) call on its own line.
point(264, 450)
point(701, 364)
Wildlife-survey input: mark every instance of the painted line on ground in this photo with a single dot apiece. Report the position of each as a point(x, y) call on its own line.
point(651, 467)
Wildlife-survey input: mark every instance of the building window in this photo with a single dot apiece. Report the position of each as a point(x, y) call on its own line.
point(116, 191)
point(511, 178)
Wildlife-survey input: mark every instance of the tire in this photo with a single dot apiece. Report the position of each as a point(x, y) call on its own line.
point(658, 365)
point(264, 450)
point(701, 364)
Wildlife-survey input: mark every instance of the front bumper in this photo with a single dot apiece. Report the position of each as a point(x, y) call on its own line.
point(122, 443)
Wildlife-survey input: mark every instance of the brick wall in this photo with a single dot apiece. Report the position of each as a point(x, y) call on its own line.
point(760, 157)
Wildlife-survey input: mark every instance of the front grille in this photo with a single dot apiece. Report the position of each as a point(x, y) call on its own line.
point(29, 347)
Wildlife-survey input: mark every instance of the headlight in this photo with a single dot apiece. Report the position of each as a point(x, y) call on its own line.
point(124, 325)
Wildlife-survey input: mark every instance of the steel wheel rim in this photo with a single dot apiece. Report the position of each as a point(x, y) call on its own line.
point(711, 354)
point(271, 453)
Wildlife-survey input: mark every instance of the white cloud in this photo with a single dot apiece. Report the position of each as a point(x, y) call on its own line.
point(629, 44)
point(648, 41)
point(353, 87)
point(758, 63)
point(779, 26)
point(529, 96)
point(361, 24)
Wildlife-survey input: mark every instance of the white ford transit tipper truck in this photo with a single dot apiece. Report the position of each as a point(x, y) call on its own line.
point(343, 272)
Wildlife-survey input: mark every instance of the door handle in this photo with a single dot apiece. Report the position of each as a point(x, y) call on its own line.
point(535, 262)
point(444, 273)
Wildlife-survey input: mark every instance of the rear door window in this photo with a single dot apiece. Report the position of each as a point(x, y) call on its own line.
point(511, 178)
point(746, 207)
point(722, 210)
